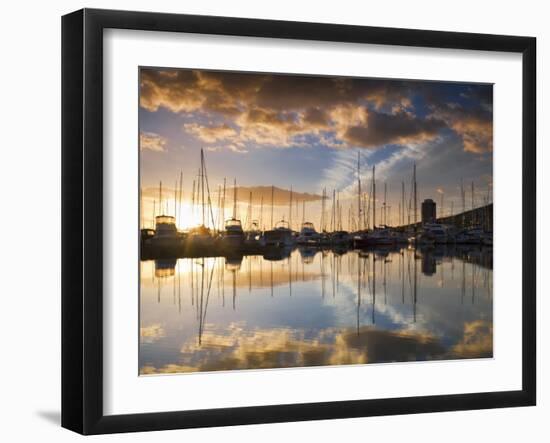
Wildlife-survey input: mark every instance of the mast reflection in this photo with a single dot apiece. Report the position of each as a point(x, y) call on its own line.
point(422, 289)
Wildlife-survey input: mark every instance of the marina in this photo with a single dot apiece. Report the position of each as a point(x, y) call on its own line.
point(209, 239)
point(296, 221)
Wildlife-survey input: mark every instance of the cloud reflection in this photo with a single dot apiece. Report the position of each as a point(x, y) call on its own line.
point(240, 348)
point(315, 317)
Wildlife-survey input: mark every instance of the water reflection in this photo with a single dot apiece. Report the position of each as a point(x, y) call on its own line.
point(310, 307)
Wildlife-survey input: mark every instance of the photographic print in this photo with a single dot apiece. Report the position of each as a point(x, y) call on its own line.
point(294, 221)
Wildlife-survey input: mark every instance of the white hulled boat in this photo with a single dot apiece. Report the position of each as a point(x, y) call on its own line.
point(308, 235)
point(280, 235)
point(166, 234)
point(233, 235)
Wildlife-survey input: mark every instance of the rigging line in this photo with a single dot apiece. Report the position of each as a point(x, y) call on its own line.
point(208, 190)
point(410, 202)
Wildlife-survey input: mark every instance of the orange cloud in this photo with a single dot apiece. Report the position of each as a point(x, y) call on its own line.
point(176, 90)
point(152, 141)
point(278, 348)
point(277, 110)
point(477, 341)
point(151, 333)
point(477, 134)
point(474, 126)
point(211, 134)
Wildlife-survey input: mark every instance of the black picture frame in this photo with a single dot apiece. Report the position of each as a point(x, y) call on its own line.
point(82, 218)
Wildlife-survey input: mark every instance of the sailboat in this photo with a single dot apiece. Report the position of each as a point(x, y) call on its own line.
point(324, 235)
point(488, 238)
point(145, 233)
point(253, 234)
point(280, 235)
point(201, 236)
point(166, 239)
point(233, 237)
point(308, 235)
point(378, 235)
point(254, 237)
point(338, 237)
point(471, 236)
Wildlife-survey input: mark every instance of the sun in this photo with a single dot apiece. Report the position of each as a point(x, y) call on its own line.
point(187, 215)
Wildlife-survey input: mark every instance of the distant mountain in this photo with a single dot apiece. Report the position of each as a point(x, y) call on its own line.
point(281, 197)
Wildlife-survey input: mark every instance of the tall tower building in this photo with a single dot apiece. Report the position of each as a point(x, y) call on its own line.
point(428, 211)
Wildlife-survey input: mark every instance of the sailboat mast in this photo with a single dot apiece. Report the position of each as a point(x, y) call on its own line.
point(219, 223)
point(234, 199)
point(176, 201)
point(365, 211)
point(385, 204)
point(333, 218)
point(261, 213)
point(290, 210)
point(414, 192)
point(272, 201)
point(472, 196)
point(373, 197)
point(223, 202)
point(463, 202)
point(198, 190)
point(297, 210)
point(359, 189)
point(193, 199)
point(202, 189)
point(160, 197)
point(399, 215)
point(339, 209)
point(322, 222)
point(340, 217)
point(141, 208)
point(249, 212)
point(180, 197)
point(402, 215)
point(473, 218)
point(486, 209)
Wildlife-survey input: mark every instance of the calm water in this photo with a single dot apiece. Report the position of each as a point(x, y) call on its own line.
point(310, 307)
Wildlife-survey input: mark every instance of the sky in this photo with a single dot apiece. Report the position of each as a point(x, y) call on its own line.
point(308, 133)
